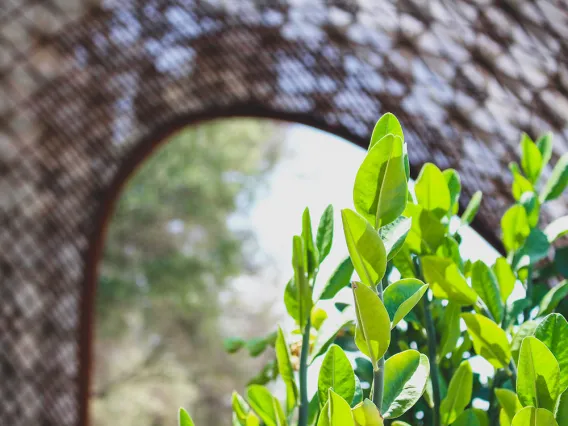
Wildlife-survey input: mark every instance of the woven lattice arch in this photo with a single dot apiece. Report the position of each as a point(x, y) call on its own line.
point(88, 88)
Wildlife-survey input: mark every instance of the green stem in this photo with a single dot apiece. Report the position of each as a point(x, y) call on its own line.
point(431, 332)
point(529, 289)
point(379, 373)
point(303, 375)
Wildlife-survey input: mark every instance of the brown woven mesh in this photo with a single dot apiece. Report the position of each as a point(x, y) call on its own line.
point(87, 88)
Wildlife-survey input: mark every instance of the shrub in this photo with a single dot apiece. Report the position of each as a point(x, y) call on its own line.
point(413, 336)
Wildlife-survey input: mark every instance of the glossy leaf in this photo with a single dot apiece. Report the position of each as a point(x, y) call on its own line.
point(367, 414)
point(400, 297)
point(526, 329)
point(515, 227)
point(553, 332)
point(510, 405)
point(544, 144)
point(451, 329)
point(454, 186)
point(467, 418)
point(336, 412)
point(365, 247)
point(538, 379)
point(311, 253)
point(489, 340)
point(505, 277)
point(459, 394)
point(394, 234)
point(373, 323)
point(387, 124)
point(432, 191)
point(446, 281)
point(286, 371)
point(485, 285)
point(339, 280)
point(556, 229)
point(380, 190)
point(303, 290)
point(184, 418)
point(531, 416)
point(562, 410)
point(337, 374)
point(265, 405)
point(426, 232)
point(472, 208)
point(406, 375)
point(557, 181)
point(324, 237)
point(531, 158)
point(552, 298)
point(521, 185)
point(240, 408)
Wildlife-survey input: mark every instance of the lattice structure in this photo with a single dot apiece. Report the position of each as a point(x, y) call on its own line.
point(88, 87)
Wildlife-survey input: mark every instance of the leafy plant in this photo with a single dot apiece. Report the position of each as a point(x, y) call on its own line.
point(411, 338)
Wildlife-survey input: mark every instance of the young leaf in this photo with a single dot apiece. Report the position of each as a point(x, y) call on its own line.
point(365, 247)
point(530, 202)
point(318, 317)
point(459, 394)
point(467, 418)
point(252, 420)
point(485, 285)
point(531, 159)
point(311, 253)
point(380, 190)
point(426, 232)
point(400, 297)
point(472, 208)
point(367, 414)
point(394, 234)
point(446, 280)
point(538, 379)
point(265, 405)
point(557, 181)
point(489, 340)
point(240, 408)
point(184, 418)
point(373, 323)
point(406, 374)
point(337, 374)
point(339, 280)
point(286, 371)
point(553, 332)
point(338, 411)
point(451, 329)
point(304, 291)
point(521, 184)
point(556, 229)
point(515, 227)
point(505, 277)
point(531, 416)
point(233, 344)
point(324, 236)
point(510, 405)
point(432, 191)
point(526, 329)
point(552, 298)
point(387, 124)
point(544, 145)
point(454, 185)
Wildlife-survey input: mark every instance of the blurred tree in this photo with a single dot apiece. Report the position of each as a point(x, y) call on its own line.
point(169, 252)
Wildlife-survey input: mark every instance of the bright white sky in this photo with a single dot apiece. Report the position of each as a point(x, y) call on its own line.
point(317, 169)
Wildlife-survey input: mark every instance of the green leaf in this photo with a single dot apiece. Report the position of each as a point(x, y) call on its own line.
point(387, 124)
point(489, 340)
point(505, 277)
point(521, 185)
point(510, 405)
point(451, 249)
point(406, 374)
point(252, 420)
point(526, 329)
point(403, 263)
point(339, 280)
point(365, 247)
point(399, 423)
point(264, 405)
point(459, 394)
point(556, 229)
point(446, 280)
point(553, 332)
point(451, 329)
point(328, 331)
point(367, 414)
point(184, 419)
point(286, 371)
point(394, 234)
point(338, 411)
point(380, 190)
point(240, 408)
point(530, 202)
point(432, 190)
point(531, 416)
point(324, 236)
point(313, 409)
point(538, 379)
point(467, 418)
point(311, 254)
point(400, 297)
point(515, 227)
point(557, 181)
point(233, 344)
point(481, 415)
point(257, 346)
point(536, 246)
point(426, 232)
point(562, 410)
point(304, 291)
point(531, 159)
point(373, 323)
point(485, 285)
point(337, 374)
point(472, 208)
point(318, 317)
point(544, 144)
point(454, 185)
point(291, 300)
point(552, 298)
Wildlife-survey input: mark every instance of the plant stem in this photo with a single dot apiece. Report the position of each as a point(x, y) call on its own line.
point(303, 373)
point(431, 331)
point(529, 289)
point(379, 373)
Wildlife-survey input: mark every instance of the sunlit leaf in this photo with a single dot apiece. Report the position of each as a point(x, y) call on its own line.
point(304, 292)
point(557, 181)
point(432, 190)
point(556, 229)
point(446, 281)
point(505, 277)
point(472, 208)
point(552, 298)
point(459, 394)
point(485, 285)
point(184, 418)
point(526, 329)
point(367, 414)
point(387, 124)
point(544, 144)
point(403, 263)
point(240, 408)
point(529, 201)
point(324, 237)
point(451, 329)
point(318, 317)
point(400, 297)
point(286, 371)
point(339, 280)
point(467, 418)
point(426, 232)
point(531, 416)
point(337, 374)
point(515, 227)
point(394, 234)
point(310, 250)
point(489, 340)
point(454, 185)
point(336, 412)
point(531, 158)
point(264, 405)
point(553, 332)
point(481, 415)
point(510, 405)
